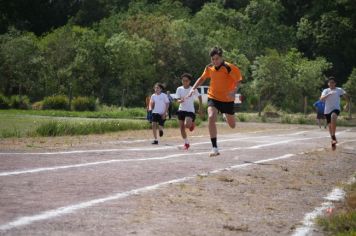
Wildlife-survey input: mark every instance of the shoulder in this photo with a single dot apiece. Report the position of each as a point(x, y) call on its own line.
point(209, 66)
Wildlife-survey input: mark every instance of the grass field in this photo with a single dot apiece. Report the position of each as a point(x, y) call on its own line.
point(29, 123)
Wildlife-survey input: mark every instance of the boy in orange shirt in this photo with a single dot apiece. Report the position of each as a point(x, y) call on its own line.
point(224, 80)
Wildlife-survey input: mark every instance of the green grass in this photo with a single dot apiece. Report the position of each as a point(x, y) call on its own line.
point(106, 112)
point(343, 222)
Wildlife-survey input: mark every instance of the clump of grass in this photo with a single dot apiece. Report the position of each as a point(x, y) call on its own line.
point(286, 119)
point(13, 133)
point(343, 221)
point(59, 128)
point(242, 117)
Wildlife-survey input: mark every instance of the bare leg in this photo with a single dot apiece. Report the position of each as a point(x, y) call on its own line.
point(154, 129)
point(212, 115)
point(182, 129)
point(231, 120)
point(333, 124)
point(188, 122)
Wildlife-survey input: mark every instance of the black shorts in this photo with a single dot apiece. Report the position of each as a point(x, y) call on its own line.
point(320, 116)
point(183, 114)
point(328, 116)
point(223, 107)
point(158, 119)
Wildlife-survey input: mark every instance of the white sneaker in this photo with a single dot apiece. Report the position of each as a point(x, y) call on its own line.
point(214, 152)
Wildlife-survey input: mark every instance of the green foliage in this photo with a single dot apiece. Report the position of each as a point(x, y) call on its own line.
point(58, 102)
point(19, 102)
point(4, 102)
point(350, 85)
point(115, 50)
point(83, 104)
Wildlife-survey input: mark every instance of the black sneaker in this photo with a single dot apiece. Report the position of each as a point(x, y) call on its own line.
point(161, 133)
point(155, 142)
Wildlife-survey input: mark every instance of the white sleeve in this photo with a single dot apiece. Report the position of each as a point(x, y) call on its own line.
point(166, 100)
point(178, 95)
point(325, 92)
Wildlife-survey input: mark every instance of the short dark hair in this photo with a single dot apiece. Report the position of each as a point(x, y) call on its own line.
point(186, 75)
point(159, 85)
point(331, 78)
point(216, 51)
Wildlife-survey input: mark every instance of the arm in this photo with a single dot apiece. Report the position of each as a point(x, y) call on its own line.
point(201, 112)
point(199, 82)
point(151, 105)
point(347, 98)
point(325, 95)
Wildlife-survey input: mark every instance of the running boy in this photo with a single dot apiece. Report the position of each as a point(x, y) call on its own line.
point(331, 96)
point(158, 105)
point(186, 111)
point(224, 80)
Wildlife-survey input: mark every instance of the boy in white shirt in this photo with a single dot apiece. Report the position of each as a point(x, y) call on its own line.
point(331, 96)
point(186, 111)
point(159, 104)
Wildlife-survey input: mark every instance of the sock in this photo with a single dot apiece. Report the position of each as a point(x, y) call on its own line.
point(333, 137)
point(213, 142)
point(186, 141)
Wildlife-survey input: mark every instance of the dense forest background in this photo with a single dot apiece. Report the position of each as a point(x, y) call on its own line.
point(110, 49)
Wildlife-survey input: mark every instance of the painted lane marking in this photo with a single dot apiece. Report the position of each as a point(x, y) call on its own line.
point(46, 215)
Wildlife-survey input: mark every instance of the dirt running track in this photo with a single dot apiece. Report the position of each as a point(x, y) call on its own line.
point(263, 183)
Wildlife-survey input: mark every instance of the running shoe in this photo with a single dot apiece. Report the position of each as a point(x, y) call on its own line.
point(214, 152)
point(155, 142)
point(186, 146)
point(161, 133)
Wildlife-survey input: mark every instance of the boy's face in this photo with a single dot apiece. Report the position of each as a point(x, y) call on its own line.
point(157, 89)
point(332, 84)
point(216, 60)
point(185, 82)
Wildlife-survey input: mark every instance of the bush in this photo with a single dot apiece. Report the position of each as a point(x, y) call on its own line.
point(19, 102)
point(270, 110)
point(84, 104)
point(242, 117)
point(4, 102)
point(58, 102)
point(37, 106)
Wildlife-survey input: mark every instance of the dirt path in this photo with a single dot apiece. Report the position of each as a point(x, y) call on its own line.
point(266, 179)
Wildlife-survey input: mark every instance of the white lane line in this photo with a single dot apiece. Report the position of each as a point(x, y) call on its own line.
point(135, 149)
point(46, 215)
point(335, 195)
point(55, 168)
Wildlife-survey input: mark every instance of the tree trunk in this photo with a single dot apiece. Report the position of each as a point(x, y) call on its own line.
point(350, 109)
point(259, 106)
point(305, 105)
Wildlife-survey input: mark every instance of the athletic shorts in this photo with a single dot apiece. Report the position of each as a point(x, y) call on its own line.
point(183, 114)
point(223, 107)
point(158, 119)
point(320, 116)
point(328, 116)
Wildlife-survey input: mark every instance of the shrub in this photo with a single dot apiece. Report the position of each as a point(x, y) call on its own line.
point(58, 102)
point(19, 102)
point(84, 104)
point(270, 110)
point(242, 117)
point(37, 105)
point(4, 102)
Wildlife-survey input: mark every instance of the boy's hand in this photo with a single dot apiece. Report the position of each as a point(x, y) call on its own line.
point(181, 100)
point(163, 116)
point(190, 93)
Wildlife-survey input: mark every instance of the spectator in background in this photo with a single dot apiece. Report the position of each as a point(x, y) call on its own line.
point(320, 107)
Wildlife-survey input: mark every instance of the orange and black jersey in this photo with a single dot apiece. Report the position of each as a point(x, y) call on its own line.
point(223, 80)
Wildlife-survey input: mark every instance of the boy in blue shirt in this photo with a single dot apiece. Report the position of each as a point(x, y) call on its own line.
point(320, 107)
